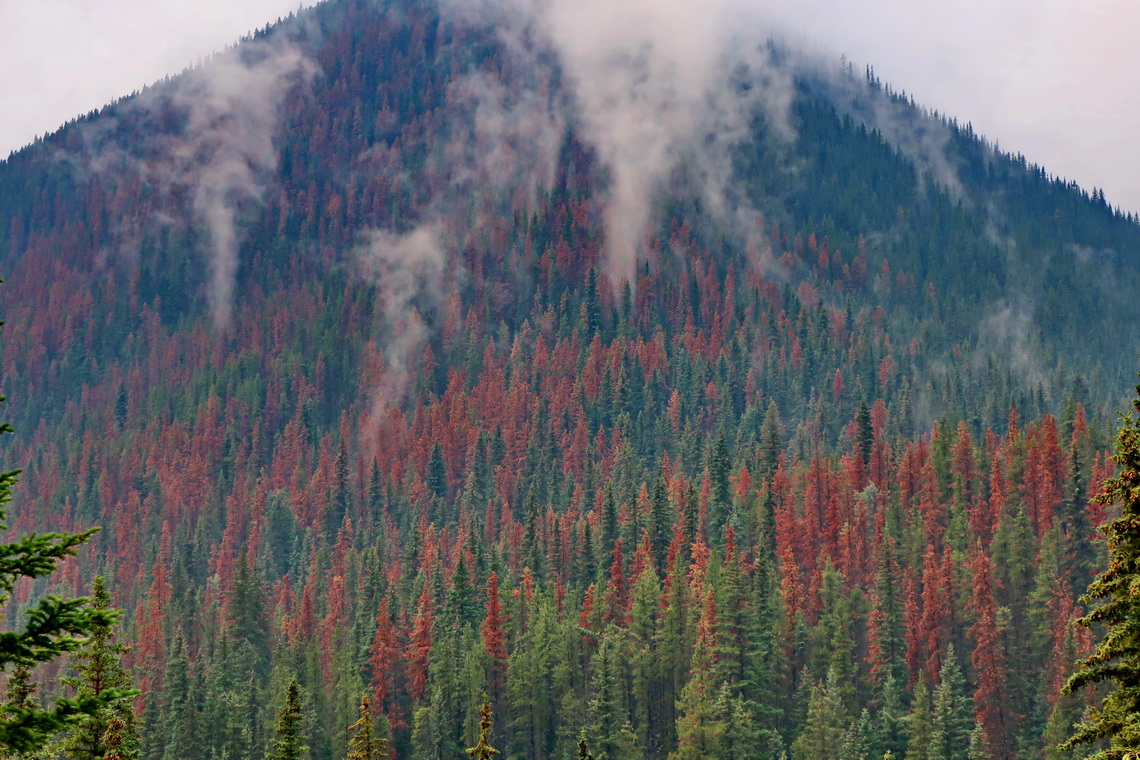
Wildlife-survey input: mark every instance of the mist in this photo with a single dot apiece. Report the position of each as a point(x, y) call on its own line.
point(408, 273)
point(220, 158)
point(227, 153)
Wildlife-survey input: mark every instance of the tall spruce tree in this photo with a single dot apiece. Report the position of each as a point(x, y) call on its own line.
point(483, 750)
point(1117, 658)
point(953, 719)
point(99, 668)
point(607, 715)
point(364, 744)
point(289, 743)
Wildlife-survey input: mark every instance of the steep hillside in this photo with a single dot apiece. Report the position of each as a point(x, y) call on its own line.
point(383, 363)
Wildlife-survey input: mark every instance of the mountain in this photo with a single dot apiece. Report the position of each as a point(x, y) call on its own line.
point(714, 399)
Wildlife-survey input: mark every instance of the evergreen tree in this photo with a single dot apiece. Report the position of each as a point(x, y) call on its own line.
point(1080, 554)
point(179, 738)
point(364, 744)
point(246, 621)
point(529, 684)
point(20, 689)
point(920, 723)
point(483, 750)
point(857, 744)
point(289, 742)
point(864, 433)
point(19, 695)
point(660, 521)
point(98, 667)
point(953, 721)
point(739, 737)
point(120, 740)
point(891, 719)
point(1117, 657)
point(607, 713)
point(437, 472)
point(583, 750)
point(825, 730)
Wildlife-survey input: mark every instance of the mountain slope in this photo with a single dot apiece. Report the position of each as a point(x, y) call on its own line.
point(330, 332)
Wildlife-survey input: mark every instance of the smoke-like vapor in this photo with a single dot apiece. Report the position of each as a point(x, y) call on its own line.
point(226, 153)
point(221, 157)
point(408, 272)
point(664, 91)
point(512, 145)
point(1008, 329)
point(923, 139)
point(654, 87)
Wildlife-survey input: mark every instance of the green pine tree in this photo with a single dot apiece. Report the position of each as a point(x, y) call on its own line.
point(19, 694)
point(920, 722)
point(364, 744)
point(953, 713)
point(483, 750)
point(98, 669)
point(607, 712)
point(1117, 658)
point(179, 738)
point(826, 729)
point(289, 744)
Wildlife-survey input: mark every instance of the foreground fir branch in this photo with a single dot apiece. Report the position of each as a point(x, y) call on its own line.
point(1117, 658)
point(55, 626)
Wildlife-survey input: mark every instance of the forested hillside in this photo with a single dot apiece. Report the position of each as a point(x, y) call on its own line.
point(327, 335)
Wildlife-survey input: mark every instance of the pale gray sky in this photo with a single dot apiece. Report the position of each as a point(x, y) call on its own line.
point(1057, 80)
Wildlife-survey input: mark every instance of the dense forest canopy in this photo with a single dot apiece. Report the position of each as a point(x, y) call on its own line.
point(353, 343)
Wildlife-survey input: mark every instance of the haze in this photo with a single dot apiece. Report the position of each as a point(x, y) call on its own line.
point(1057, 83)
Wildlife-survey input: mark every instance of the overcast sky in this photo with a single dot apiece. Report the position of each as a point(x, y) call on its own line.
point(1057, 80)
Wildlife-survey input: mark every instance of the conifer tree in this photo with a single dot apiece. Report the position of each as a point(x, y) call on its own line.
point(20, 689)
point(120, 740)
point(891, 719)
point(1080, 554)
point(494, 640)
point(19, 695)
point(583, 749)
point(364, 744)
point(529, 684)
point(887, 647)
point(246, 621)
point(607, 712)
point(98, 668)
point(864, 433)
point(289, 742)
point(825, 731)
point(953, 721)
point(178, 712)
point(483, 750)
point(660, 521)
point(1117, 657)
point(739, 737)
point(645, 665)
point(920, 722)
